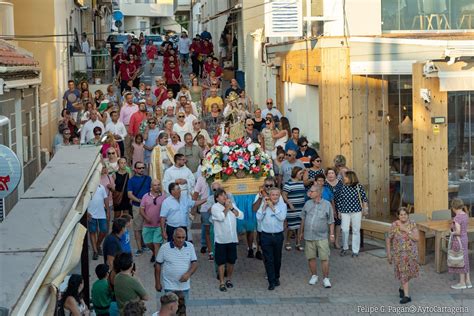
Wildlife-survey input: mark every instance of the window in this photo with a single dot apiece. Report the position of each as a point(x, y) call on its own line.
point(416, 15)
point(143, 26)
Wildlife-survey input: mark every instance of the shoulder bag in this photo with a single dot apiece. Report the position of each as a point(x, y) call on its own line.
point(118, 195)
point(455, 257)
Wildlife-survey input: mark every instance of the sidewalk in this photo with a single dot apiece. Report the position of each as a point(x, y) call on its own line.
point(357, 283)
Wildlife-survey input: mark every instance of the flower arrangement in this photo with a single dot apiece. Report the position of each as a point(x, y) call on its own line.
point(229, 158)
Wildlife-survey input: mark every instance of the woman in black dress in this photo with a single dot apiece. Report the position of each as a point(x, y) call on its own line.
point(120, 197)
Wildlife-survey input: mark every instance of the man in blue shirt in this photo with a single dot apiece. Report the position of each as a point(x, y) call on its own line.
point(175, 211)
point(292, 143)
point(71, 99)
point(137, 187)
point(272, 216)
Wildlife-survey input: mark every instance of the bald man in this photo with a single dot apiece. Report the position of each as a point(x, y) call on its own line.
point(150, 209)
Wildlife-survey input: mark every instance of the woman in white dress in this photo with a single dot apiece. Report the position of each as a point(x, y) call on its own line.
point(181, 127)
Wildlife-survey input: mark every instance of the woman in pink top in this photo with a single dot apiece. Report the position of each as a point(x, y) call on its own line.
point(138, 150)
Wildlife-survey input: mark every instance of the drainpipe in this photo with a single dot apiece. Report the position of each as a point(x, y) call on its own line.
point(38, 126)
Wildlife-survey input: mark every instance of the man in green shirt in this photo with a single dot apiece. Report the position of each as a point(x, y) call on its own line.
point(127, 287)
point(101, 294)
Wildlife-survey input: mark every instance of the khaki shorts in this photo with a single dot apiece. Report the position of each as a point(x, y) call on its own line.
point(137, 218)
point(317, 249)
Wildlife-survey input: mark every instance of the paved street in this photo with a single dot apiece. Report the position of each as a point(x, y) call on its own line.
point(357, 284)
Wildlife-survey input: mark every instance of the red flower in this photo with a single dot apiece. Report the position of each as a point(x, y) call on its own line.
point(246, 156)
point(233, 157)
point(229, 171)
point(231, 144)
point(240, 141)
point(256, 169)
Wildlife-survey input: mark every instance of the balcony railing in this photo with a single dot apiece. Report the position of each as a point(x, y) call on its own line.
point(427, 15)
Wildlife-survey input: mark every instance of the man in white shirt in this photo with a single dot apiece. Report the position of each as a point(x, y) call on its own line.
point(179, 174)
point(170, 101)
point(225, 215)
point(97, 217)
point(272, 110)
point(118, 129)
point(87, 132)
point(183, 48)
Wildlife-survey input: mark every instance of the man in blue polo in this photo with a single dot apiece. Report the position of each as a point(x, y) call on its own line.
point(137, 187)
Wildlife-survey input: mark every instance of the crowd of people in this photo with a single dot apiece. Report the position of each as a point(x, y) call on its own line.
point(152, 139)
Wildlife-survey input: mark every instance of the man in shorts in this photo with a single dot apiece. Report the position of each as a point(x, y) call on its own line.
point(183, 47)
point(97, 218)
point(225, 215)
point(150, 208)
point(317, 216)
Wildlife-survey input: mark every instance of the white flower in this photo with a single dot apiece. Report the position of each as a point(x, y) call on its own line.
point(225, 149)
point(252, 147)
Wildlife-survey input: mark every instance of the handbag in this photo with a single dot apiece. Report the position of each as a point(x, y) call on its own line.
point(455, 257)
point(365, 212)
point(117, 196)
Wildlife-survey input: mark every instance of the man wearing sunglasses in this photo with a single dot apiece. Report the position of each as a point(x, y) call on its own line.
point(271, 110)
point(137, 187)
point(268, 184)
point(150, 208)
point(305, 152)
point(288, 165)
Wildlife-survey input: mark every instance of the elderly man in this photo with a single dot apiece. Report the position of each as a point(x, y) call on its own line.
point(225, 215)
point(191, 152)
point(169, 115)
point(168, 305)
point(87, 132)
point(179, 174)
point(175, 264)
point(288, 165)
point(234, 87)
point(317, 215)
point(117, 129)
point(189, 113)
point(126, 112)
point(272, 216)
point(160, 92)
point(271, 110)
point(175, 211)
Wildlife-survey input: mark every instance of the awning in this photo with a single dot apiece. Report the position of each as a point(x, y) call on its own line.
point(456, 77)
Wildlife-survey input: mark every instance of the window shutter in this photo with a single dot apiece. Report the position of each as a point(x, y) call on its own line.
point(283, 18)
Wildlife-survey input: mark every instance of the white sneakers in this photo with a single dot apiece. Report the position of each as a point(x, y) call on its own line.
point(326, 283)
point(313, 280)
point(459, 286)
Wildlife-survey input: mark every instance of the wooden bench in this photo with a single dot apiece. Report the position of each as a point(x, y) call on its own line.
point(373, 228)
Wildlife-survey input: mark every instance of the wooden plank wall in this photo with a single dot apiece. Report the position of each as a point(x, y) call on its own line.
point(335, 105)
point(430, 151)
point(301, 66)
point(371, 147)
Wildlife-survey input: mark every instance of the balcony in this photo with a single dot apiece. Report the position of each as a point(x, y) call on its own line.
point(150, 8)
point(427, 15)
point(182, 5)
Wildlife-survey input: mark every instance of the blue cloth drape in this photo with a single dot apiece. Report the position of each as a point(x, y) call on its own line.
point(244, 203)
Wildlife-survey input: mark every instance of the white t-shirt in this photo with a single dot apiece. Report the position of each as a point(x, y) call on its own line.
point(96, 205)
point(183, 45)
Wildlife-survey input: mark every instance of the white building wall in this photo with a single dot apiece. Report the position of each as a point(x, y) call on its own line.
point(360, 20)
point(299, 100)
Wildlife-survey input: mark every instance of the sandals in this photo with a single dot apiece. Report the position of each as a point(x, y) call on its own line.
point(299, 248)
point(229, 284)
point(288, 247)
point(222, 288)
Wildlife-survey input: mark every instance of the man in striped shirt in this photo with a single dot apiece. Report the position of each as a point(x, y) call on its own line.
point(175, 264)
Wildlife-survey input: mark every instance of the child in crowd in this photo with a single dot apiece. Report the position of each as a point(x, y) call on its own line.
point(138, 149)
point(101, 294)
point(125, 239)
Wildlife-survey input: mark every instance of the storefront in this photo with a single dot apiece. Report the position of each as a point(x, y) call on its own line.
point(406, 150)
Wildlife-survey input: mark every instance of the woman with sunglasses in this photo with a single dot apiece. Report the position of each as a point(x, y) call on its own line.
point(334, 185)
point(280, 157)
point(176, 142)
point(311, 172)
point(181, 127)
point(281, 136)
point(294, 194)
point(110, 142)
point(213, 120)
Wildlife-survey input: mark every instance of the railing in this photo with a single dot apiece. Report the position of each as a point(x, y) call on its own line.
point(97, 67)
point(427, 15)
